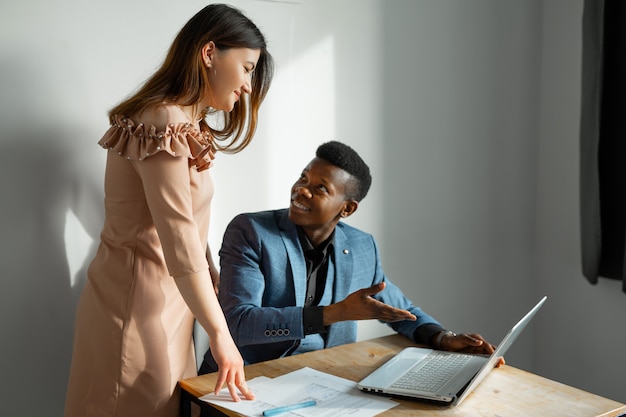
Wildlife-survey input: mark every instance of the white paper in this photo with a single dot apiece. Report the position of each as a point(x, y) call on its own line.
point(335, 396)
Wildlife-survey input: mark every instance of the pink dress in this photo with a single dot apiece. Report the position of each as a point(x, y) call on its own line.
point(133, 331)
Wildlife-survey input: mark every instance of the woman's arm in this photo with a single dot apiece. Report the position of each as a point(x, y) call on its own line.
point(202, 301)
point(215, 274)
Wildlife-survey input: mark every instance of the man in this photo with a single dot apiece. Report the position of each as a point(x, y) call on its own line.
point(297, 279)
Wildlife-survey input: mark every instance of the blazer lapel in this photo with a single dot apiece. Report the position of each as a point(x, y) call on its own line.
point(344, 331)
point(289, 234)
point(343, 264)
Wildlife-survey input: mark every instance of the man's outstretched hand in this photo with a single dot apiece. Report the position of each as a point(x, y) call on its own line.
point(361, 306)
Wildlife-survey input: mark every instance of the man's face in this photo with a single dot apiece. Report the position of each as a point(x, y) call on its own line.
point(318, 198)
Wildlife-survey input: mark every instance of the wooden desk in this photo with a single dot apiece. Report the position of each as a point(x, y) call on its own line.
point(506, 391)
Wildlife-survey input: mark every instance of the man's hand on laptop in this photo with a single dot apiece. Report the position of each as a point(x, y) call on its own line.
point(466, 343)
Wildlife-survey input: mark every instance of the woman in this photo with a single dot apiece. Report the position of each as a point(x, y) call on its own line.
point(151, 276)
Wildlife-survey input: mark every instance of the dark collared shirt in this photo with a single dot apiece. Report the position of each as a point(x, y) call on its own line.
point(316, 272)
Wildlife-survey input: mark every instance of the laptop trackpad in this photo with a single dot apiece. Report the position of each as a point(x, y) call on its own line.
point(395, 368)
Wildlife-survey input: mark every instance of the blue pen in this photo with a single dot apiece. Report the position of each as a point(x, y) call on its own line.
point(285, 408)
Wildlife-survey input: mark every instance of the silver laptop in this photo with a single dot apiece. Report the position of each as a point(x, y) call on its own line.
point(442, 377)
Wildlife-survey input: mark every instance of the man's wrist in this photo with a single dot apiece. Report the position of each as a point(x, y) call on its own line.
point(331, 314)
point(438, 338)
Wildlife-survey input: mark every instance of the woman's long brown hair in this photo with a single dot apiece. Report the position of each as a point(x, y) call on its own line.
point(183, 77)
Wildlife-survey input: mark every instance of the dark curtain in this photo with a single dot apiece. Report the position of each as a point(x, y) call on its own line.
point(603, 140)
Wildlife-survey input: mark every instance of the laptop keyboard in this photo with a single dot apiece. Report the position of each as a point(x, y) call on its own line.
point(437, 370)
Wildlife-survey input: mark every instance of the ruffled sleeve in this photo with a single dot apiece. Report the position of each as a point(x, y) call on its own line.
point(137, 142)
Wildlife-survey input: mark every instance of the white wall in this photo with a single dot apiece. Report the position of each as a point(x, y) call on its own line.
point(581, 337)
point(460, 125)
point(466, 111)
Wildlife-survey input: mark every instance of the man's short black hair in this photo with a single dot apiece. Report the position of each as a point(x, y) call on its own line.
point(346, 158)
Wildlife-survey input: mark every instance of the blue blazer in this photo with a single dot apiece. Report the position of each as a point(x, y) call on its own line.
point(263, 285)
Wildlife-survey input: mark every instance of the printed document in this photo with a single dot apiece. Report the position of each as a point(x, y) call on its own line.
point(335, 396)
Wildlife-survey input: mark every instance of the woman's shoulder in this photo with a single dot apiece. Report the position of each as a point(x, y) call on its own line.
point(164, 128)
point(161, 116)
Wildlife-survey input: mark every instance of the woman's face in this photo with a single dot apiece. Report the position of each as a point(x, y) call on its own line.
point(230, 76)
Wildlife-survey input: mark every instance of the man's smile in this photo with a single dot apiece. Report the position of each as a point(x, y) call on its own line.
point(299, 205)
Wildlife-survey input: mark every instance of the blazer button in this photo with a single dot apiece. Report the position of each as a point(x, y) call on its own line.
point(346, 251)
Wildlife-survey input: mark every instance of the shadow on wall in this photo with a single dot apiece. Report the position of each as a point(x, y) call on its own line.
point(43, 175)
